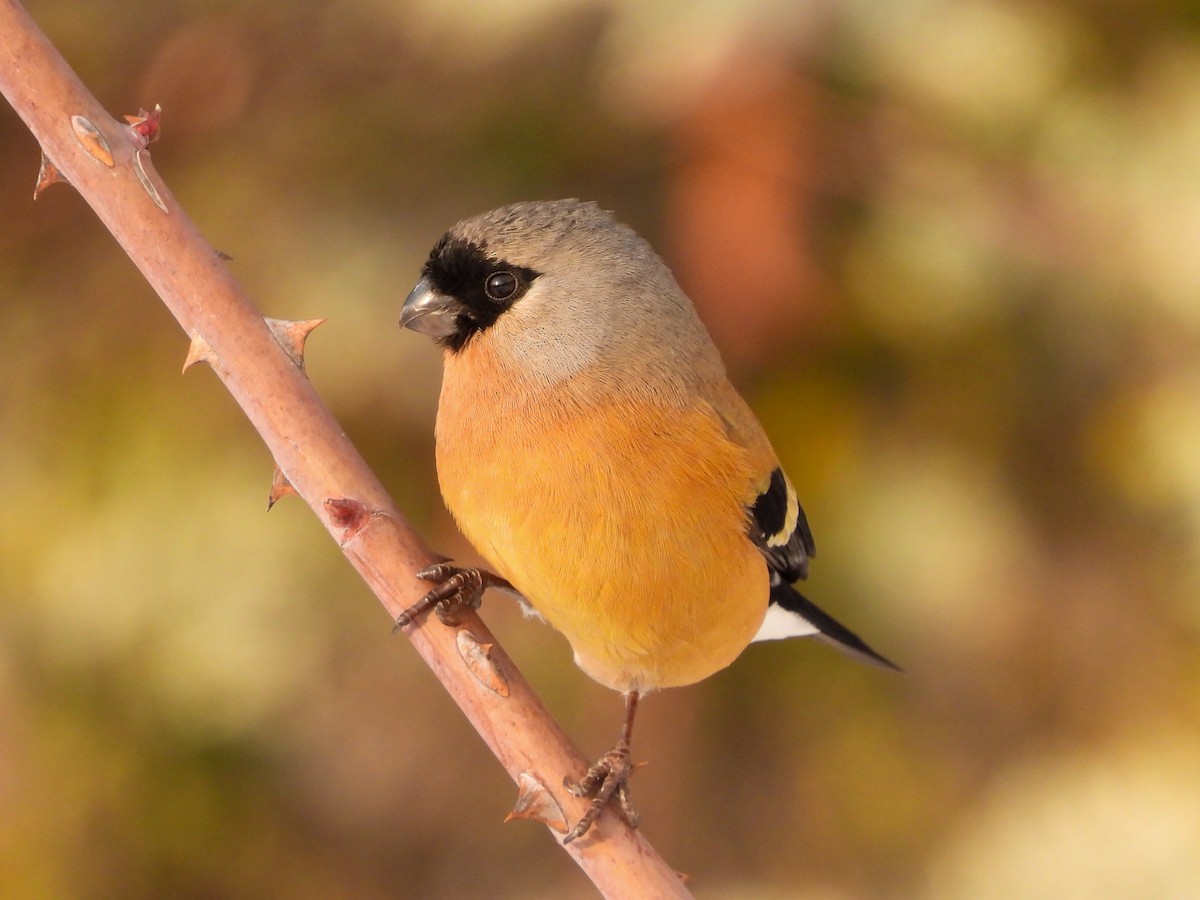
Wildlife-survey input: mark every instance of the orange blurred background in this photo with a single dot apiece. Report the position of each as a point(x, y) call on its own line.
point(950, 251)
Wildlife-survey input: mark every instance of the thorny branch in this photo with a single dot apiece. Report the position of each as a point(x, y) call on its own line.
point(261, 364)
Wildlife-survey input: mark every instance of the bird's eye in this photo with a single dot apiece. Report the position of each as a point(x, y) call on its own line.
point(501, 285)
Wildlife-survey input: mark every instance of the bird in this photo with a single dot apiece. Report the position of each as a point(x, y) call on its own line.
point(591, 447)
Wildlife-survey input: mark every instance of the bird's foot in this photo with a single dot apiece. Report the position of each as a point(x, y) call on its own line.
point(455, 589)
point(606, 782)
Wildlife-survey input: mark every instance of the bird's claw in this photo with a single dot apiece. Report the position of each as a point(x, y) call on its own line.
point(606, 782)
point(455, 588)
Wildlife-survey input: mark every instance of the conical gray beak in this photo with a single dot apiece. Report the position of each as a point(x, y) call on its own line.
point(429, 312)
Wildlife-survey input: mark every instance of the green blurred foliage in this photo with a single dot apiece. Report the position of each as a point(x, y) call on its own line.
point(949, 247)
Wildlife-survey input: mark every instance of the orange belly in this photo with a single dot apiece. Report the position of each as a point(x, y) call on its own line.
point(626, 532)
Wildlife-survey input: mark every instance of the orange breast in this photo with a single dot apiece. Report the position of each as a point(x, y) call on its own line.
point(624, 526)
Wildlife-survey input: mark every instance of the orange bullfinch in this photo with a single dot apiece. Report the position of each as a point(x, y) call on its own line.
point(592, 449)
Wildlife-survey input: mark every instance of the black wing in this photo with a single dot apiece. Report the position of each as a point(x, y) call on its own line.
point(779, 528)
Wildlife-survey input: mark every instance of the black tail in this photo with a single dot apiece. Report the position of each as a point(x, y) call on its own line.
point(831, 630)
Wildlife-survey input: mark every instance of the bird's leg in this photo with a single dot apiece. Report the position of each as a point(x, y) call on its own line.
point(455, 588)
point(608, 780)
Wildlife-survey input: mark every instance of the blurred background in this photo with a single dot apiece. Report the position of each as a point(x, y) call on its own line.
point(951, 252)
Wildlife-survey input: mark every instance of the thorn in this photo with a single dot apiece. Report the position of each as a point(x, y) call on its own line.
point(198, 351)
point(92, 140)
point(280, 488)
point(292, 335)
point(348, 514)
point(536, 803)
point(48, 174)
point(478, 657)
point(145, 126)
point(139, 167)
point(222, 255)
